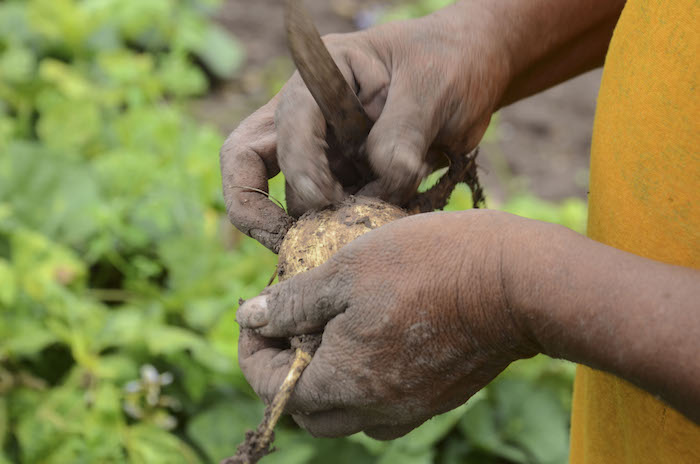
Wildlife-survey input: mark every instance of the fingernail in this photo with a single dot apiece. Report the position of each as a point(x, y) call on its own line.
point(253, 313)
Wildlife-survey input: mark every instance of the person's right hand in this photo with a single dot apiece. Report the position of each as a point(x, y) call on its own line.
point(416, 317)
point(430, 84)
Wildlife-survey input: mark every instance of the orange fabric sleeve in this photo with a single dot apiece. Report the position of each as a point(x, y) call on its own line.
point(645, 199)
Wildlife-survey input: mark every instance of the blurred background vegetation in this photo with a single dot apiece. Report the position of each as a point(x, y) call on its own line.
point(120, 274)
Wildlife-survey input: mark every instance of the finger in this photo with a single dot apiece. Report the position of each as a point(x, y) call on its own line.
point(247, 161)
point(300, 305)
point(331, 424)
point(398, 143)
point(264, 363)
point(301, 148)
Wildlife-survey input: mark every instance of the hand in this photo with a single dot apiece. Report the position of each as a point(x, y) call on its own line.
point(430, 84)
point(415, 320)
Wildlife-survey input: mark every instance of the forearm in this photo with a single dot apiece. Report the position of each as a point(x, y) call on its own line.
point(611, 310)
point(545, 41)
point(583, 53)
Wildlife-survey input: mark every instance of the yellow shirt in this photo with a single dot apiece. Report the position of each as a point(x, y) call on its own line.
point(645, 199)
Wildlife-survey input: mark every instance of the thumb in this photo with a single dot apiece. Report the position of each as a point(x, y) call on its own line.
point(300, 305)
point(398, 143)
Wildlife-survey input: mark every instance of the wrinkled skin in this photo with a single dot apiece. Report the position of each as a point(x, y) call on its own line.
point(445, 107)
point(395, 352)
point(421, 313)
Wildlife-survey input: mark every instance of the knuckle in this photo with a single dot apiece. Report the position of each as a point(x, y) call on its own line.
point(283, 308)
point(228, 146)
point(340, 276)
point(402, 170)
point(307, 190)
point(334, 40)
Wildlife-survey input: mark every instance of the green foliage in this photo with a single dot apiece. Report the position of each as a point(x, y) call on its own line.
point(413, 9)
point(115, 252)
point(120, 275)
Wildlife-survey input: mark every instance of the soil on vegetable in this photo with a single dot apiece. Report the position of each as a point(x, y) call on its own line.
point(249, 452)
point(318, 235)
point(308, 343)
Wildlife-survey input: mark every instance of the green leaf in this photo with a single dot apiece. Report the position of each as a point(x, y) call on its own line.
point(14, 26)
point(8, 284)
point(571, 213)
point(416, 446)
point(4, 422)
point(147, 444)
point(455, 451)
point(69, 125)
point(434, 429)
point(25, 338)
point(68, 80)
point(168, 339)
point(534, 419)
point(17, 64)
point(194, 377)
point(374, 447)
point(45, 426)
point(221, 428)
point(181, 77)
point(404, 456)
point(480, 428)
point(221, 53)
point(116, 367)
point(123, 327)
point(335, 450)
point(203, 313)
point(52, 195)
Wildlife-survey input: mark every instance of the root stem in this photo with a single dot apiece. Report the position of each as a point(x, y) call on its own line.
point(257, 443)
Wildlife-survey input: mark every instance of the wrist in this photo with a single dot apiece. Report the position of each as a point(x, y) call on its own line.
point(488, 295)
point(528, 257)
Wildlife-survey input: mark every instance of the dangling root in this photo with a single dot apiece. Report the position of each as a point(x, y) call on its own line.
point(257, 442)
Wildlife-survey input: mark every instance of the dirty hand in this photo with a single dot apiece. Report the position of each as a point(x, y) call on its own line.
point(431, 85)
point(414, 317)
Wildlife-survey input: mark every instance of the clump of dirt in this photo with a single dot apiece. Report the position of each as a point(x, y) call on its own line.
point(249, 451)
point(307, 343)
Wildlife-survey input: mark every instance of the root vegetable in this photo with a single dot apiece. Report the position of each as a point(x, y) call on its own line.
point(319, 234)
point(315, 237)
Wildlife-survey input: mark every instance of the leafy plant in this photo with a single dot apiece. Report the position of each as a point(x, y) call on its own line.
point(114, 249)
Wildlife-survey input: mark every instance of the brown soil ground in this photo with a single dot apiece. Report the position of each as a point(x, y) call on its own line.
point(542, 143)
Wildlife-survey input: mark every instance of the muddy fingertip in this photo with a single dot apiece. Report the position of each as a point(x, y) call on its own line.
point(253, 313)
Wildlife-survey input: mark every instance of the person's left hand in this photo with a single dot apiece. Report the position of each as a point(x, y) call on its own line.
point(415, 320)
